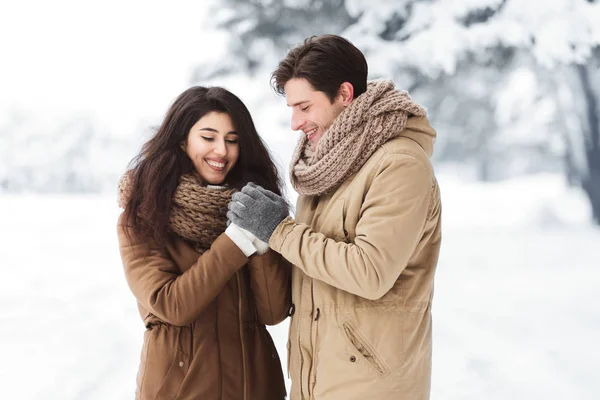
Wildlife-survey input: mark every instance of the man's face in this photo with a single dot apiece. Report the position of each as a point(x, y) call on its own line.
point(312, 112)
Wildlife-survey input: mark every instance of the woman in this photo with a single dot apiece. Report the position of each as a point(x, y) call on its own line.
point(204, 292)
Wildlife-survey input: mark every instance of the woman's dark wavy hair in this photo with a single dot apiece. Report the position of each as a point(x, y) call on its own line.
point(157, 168)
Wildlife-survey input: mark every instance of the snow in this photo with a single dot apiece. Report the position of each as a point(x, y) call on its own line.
point(540, 201)
point(515, 313)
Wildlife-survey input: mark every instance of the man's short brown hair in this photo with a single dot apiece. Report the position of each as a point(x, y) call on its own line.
point(325, 62)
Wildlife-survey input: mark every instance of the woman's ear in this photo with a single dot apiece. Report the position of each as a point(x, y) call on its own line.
point(182, 145)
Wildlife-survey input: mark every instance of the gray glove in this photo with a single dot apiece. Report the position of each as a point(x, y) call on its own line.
point(257, 210)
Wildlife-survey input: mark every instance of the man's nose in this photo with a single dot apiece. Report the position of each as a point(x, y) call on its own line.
point(297, 121)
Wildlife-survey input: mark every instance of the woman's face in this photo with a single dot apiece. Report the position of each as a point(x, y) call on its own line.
point(212, 145)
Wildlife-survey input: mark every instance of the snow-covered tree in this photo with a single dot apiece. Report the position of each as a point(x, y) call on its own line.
point(495, 74)
point(438, 38)
point(260, 30)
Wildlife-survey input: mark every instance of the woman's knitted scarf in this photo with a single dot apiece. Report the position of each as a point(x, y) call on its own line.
point(369, 121)
point(198, 212)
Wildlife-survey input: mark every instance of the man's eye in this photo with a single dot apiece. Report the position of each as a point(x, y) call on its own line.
point(208, 138)
point(305, 108)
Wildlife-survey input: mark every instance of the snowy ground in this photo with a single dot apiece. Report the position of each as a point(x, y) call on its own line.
point(515, 316)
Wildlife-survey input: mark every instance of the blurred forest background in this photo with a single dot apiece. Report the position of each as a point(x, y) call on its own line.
point(512, 87)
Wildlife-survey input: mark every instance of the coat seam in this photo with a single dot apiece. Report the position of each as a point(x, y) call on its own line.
point(147, 347)
point(219, 350)
point(270, 310)
point(413, 156)
point(293, 224)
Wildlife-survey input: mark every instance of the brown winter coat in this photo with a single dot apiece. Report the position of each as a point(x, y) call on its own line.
point(205, 319)
point(364, 259)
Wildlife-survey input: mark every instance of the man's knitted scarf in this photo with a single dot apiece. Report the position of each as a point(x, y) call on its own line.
point(369, 121)
point(198, 212)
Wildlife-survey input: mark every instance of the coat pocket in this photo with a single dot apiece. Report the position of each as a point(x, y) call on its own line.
point(364, 349)
point(171, 384)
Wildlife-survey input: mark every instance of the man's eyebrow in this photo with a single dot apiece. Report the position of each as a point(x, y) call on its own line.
point(297, 103)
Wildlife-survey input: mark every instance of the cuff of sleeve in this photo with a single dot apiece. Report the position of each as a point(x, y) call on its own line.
point(261, 247)
point(240, 239)
point(280, 233)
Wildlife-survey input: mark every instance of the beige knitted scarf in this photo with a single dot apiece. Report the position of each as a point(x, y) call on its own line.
point(198, 212)
point(370, 120)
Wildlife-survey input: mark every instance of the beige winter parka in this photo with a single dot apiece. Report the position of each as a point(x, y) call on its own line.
point(364, 259)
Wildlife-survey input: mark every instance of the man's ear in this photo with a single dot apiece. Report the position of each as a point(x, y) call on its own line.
point(346, 93)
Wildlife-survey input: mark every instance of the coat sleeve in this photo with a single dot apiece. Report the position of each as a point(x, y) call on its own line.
point(391, 223)
point(270, 282)
point(162, 289)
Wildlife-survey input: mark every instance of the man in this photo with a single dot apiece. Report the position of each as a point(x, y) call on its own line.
point(366, 237)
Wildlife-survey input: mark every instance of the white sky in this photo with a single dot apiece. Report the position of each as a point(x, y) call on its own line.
point(120, 61)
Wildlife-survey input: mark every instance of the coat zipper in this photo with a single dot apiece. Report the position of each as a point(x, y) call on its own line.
point(239, 283)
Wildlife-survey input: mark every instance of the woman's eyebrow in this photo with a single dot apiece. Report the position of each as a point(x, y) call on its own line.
point(216, 131)
point(209, 129)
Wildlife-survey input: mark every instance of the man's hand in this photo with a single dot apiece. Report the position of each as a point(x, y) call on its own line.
point(257, 210)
